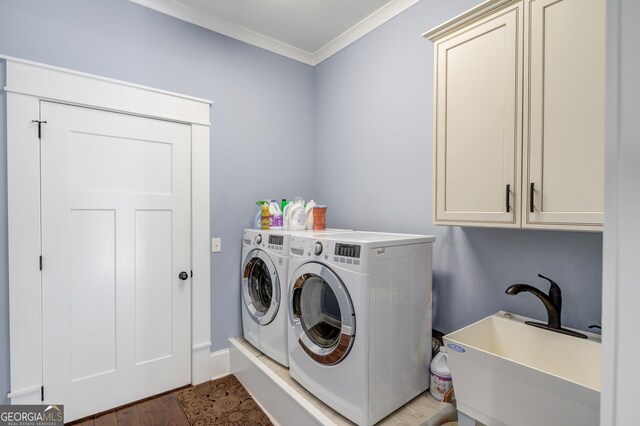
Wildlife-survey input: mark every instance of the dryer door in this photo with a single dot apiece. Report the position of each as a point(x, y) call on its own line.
point(260, 287)
point(322, 313)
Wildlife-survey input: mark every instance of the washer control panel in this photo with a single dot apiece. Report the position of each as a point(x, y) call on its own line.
point(272, 242)
point(277, 240)
point(276, 243)
point(344, 255)
point(347, 250)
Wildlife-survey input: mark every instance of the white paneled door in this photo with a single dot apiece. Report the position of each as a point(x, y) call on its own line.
point(115, 238)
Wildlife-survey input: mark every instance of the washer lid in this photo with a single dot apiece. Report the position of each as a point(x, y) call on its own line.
point(260, 287)
point(321, 313)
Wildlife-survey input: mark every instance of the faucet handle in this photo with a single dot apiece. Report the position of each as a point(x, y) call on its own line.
point(548, 279)
point(552, 282)
point(555, 294)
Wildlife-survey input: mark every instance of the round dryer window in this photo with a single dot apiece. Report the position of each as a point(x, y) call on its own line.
point(260, 287)
point(322, 313)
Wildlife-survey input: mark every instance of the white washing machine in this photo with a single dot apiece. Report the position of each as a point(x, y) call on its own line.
point(360, 320)
point(264, 271)
point(265, 258)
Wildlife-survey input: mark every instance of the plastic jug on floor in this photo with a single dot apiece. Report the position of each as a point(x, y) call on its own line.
point(440, 381)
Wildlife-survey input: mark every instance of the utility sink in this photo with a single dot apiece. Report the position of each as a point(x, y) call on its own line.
point(508, 373)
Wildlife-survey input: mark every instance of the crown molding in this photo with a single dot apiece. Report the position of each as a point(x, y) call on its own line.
point(254, 38)
point(466, 17)
point(226, 28)
point(362, 28)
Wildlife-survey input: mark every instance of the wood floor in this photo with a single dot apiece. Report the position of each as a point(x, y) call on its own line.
point(160, 410)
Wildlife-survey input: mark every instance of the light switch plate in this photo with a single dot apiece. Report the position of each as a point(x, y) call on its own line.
point(216, 245)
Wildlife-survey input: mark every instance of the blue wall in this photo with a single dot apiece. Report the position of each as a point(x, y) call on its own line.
point(366, 114)
point(374, 127)
point(262, 115)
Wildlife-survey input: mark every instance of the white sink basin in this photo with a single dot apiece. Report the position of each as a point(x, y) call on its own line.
point(508, 373)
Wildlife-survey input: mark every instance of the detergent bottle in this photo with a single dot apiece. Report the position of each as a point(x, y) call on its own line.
point(276, 215)
point(286, 215)
point(256, 220)
point(440, 381)
point(309, 211)
point(297, 215)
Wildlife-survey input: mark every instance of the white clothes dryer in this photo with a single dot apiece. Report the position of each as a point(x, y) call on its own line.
point(360, 320)
point(264, 271)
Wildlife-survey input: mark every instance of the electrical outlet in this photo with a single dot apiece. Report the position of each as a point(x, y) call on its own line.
point(216, 245)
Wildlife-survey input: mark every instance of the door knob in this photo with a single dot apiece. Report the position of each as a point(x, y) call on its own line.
point(183, 275)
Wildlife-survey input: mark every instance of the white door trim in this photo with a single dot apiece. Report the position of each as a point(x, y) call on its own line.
point(27, 83)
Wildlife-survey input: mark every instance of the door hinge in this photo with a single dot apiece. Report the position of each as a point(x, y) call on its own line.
point(42, 393)
point(40, 122)
point(41, 263)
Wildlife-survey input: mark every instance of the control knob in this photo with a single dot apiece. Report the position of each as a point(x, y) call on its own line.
point(258, 239)
point(317, 249)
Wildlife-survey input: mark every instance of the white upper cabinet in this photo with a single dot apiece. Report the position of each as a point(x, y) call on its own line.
point(564, 107)
point(519, 115)
point(478, 130)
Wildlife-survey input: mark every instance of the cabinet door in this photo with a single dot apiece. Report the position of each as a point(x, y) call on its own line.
point(478, 122)
point(564, 111)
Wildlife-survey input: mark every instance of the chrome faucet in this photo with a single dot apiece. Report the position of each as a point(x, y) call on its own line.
point(552, 302)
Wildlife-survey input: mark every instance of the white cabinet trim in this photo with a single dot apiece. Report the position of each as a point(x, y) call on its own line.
point(27, 83)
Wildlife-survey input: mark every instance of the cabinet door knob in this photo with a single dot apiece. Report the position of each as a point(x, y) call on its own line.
point(183, 275)
point(531, 190)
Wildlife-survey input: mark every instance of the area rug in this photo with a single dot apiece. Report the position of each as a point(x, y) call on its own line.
point(221, 402)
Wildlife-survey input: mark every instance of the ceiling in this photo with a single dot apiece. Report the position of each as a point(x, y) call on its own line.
point(308, 31)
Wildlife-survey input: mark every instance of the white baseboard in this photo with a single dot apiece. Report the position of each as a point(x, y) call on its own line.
point(219, 364)
point(25, 396)
point(200, 363)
